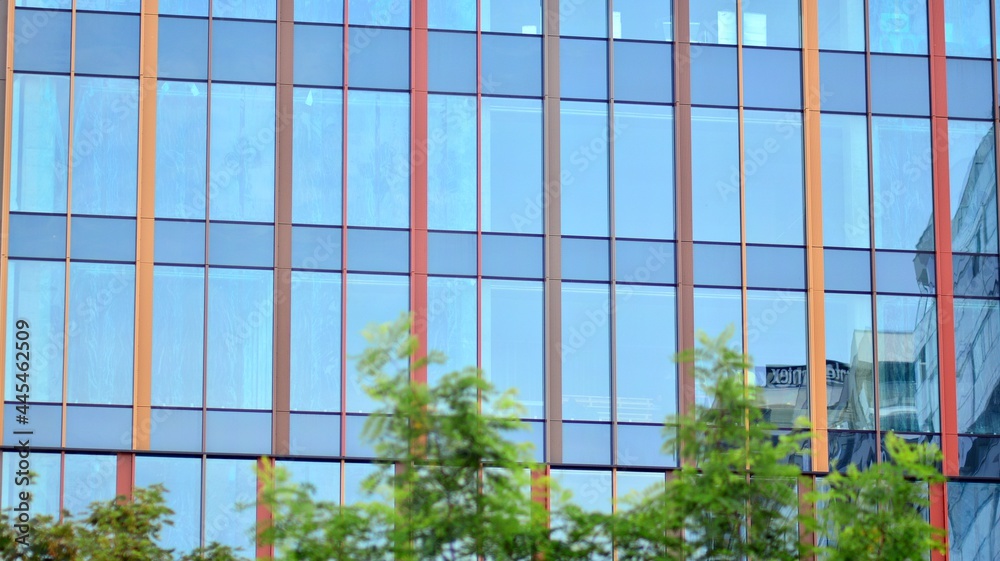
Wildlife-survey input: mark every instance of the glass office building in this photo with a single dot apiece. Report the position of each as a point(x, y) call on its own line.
point(204, 202)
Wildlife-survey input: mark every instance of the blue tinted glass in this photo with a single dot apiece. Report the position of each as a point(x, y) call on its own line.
point(103, 239)
point(315, 341)
point(178, 329)
point(322, 11)
point(240, 338)
point(101, 305)
point(88, 478)
point(713, 21)
point(644, 262)
point(976, 456)
point(183, 48)
point(45, 422)
point(587, 443)
point(44, 492)
point(109, 5)
point(715, 174)
point(107, 44)
point(842, 82)
point(973, 516)
point(319, 55)
point(976, 275)
point(649, 20)
point(182, 119)
point(977, 325)
point(243, 51)
point(972, 163)
point(590, 490)
point(182, 478)
point(511, 65)
point(184, 7)
point(776, 335)
point(451, 62)
point(776, 267)
point(392, 13)
point(512, 165)
point(241, 245)
point(586, 259)
point(314, 435)
point(774, 178)
point(635, 483)
point(908, 363)
point(36, 293)
point(97, 428)
point(451, 253)
point(357, 444)
point(60, 4)
point(513, 318)
point(714, 78)
point(644, 72)
point(967, 28)
point(238, 432)
point(451, 323)
point(512, 256)
point(970, 89)
point(354, 475)
point(906, 272)
point(316, 248)
point(180, 242)
point(898, 27)
point(899, 85)
point(324, 477)
point(771, 23)
point(38, 235)
point(903, 195)
point(378, 251)
point(584, 69)
point(452, 14)
point(241, 184)
point(451, 162)
point(715, 309)
point(245, 9)
point(846, 221)
point(717, 265)
point(378, 170)
point(586, 352)
point(842, 25)
point(39, 143)
point(772, 78)
point(848, 448)
point(644, 171)
point(42, 41)
point(175, 430)
point(585, 160)
point(646, 334)
point(105, 145)
point(584, 19)
point(317, 129)
point(371, 299)
point(379, 58)
point(512, 16)
point(850, 387)
point(634, 450)
point(230, 501)
point(846, 269)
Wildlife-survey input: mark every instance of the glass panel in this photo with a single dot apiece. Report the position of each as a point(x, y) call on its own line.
point(37, 235)
point(324, 477)
point(322, 11)
point(108, 5)
point(107, 44)
point(243, 51)
point(842, 25)
point(973, 517)
point(586, 259)
point(451, 162)
point(379, 251)
point(241, 185)
point(850, 387)
point(314, 435)
point(904, 207)
point(451, 61)
point(900, 85)
point(717, 265)
point(182, 478)
point(639, 445)
point(967, 28)
point(715, 174)
point(241, 245)
point(636, 484)
point(102, 239)
point(904, 272)
point(237, 432)
point(451, 253)
point(511, 65)
point(45, 483)
point(452, 14)
point(178, 335)
point(644, 72)
point(513, 318)
point(512, 165)
point(774, 177)
point(43, 43)
point(89, 478)
point(105, 148)
point(587, 443)
point(319, 55)
point(714, 78)
point(776, 267)
point(846, 448)
point(451, 323)
point(846, 269)
point(175, 430)
point(976, 456)
point(39, 143)
point(317, 129)
point(512, 16)
point(245, 9)
point(977, 326)
point(645, 262)
point(772, 78)
point(354, 475)
point(591, 490)
point(584, 19)
point(358, 445)
point(898, 27)
point(644, 171)
point(378, 170)
point(240, 338)
point(315, 341)
point(316, 248)
point(646, 335)
point(228, 485)
point(845, 180)
point(179, 242)
point(379, 12)
point(45, 424)
point(975, 275)
point(181, 133)
point(771, 23)
point(184, 7)
point(843, 78)
point(99, 428)
point(716, 309)
point(183, 48)
point(584, 68)
point(972, 161)
point(512, 256)
point(970, 89)
point(650, 20)
point(713, 21)
point(908, 363)
point(776, 335)
point(586, 352)
point(585, 157)
point(102, 303)
point(371, 299)
point(379, 58)
point(35, 293)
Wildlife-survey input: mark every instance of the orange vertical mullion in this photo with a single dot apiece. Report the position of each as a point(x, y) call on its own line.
point(265, 466)
point(8, 110)
point(125, 475)
point(418, 180)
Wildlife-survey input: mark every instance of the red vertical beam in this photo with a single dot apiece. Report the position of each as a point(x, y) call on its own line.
point(125, 475)
point(418, 179)
point(939, 514)
point(265, 466)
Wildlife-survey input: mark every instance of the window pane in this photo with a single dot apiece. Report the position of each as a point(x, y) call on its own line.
point(324, 477)
point(713, 21)
point(102, 303)
point(241, 245)
point(378, 169)
point(181, 121)
point(585, 193)
point(452, 14)
point(584, 19)
point(182, 478)
point(184, 7)
point(240, 333)
point(846, 217)
point(774, 177)
point(318, 130)
point(971, 158)
point(246, 9)
point(451, 61)
point(970, 89)
point(776, 267)
point(967, 28)
point(102, 239)
point(586, 259)
point(513, 318)
point(850, 383)
point(908, 363)
point(714, 311)
point(646, 334)
point(39, 143)
point(587, 443)
point(715, 174)
point(842, 25)
point(241, 186)
point(847, 269)
point(315, 341)
point(900, 85)
point(379, 58)
point(178, 329)
point(45, 483)
point(776, 335)
point(512, 165)
point(898, 27)
point(590, 490)
point(718, 264)
point(451, 162)
point(43, 41)
point(228, 485)
point(107, 44)
point(842, 82)
point(714, 78)
point(316, 248)
point(512, 16)
point(89, 478)
point(771, 23)
point(378, 250)
point(584, 69)
point(37, 235)
point(977, 326)
point(243, 51)
point(973, 517)
point(319, 55)
point(644, 72)
point(371, 299)
point(183, 48)
point(108, 5)
point(451, 253)
point(511, 65)
point(512, 256)
point(393, 13)
point(904, 208)
point(451, 323)
point(322, 11)
point(180, 242)
point(772, 78)
point(36, 293)
point(105, 145)
point(650, 20)
point(586, 353)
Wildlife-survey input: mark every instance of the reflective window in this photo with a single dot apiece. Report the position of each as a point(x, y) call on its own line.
point(584, 69)
point(846, 217)
point(182, 479)
point(392, 13)
point(776, 267)
point(649, 20)
point(512, 165)
point(175, 430)
point(977, 326)
point(714, 78)
point(105, 149)
point(842, 25)
point(715, 309)
point(246, 9)
point(321, 11)
point(378, 162)
point(180, 242)
point(850, 380)
point(39, 143)
point(900, 85)
point(905, 272)
point(847, 269)
point(904, 208)
point(240, 338)
point(314, 435)
point(238, 432)
point(644, 171)
point(635, 485)
point(371, 299)
point(513, 318)
point(45, 483)
point(102, 239)
point(107, 44)
point(229, 485)
point(846, 448)
point(586, 259)
point(975, 275)
point(908, 363)
point(178, 328)
point(451, 62)
point(512, 256)
point(967, 28)
point(638, 445)
point(512, 16)
point(354, 476)
point(972, 164)
point(375, 250)
point(452, 14)
point(184, 7)
point(973, 517)
point(646, 334)
point(45, 424)
point(379, 58)
point(776, 335)
point(317, 129)
point(898, 27)
point(587, 443)
point(644, 262)
point(451, 253)
point(451, 162)
point(771, 23)
point(772, 78)
point(586, 352)
point(451, 323)
point(182, 119)
point(717, 264)
point(316, 248)
point(243, 51)
point(324, 477)
point(36, 293)
point(590, 490)
point(584, 19)
point(240, 245)
point(88, 478)
point(109, 5)
point(970, 89)
point(96, 428)
point(511, 65)
point(183, 48)
point(42, 41)
point(715, 174)
point(101, 305)
point(357, 445)
point(644, 72)
point(319, 55)
point(842, 82)
point(37, 235)
point(713, 21)
point(315, 341)
point(774, 178)
point(585, 159)
point(241, 184)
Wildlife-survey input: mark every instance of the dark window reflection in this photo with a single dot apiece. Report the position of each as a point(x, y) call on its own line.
point(850, 373)
point(973, 517)
point(908, 363)
point(847, 448)
point(977, 363)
